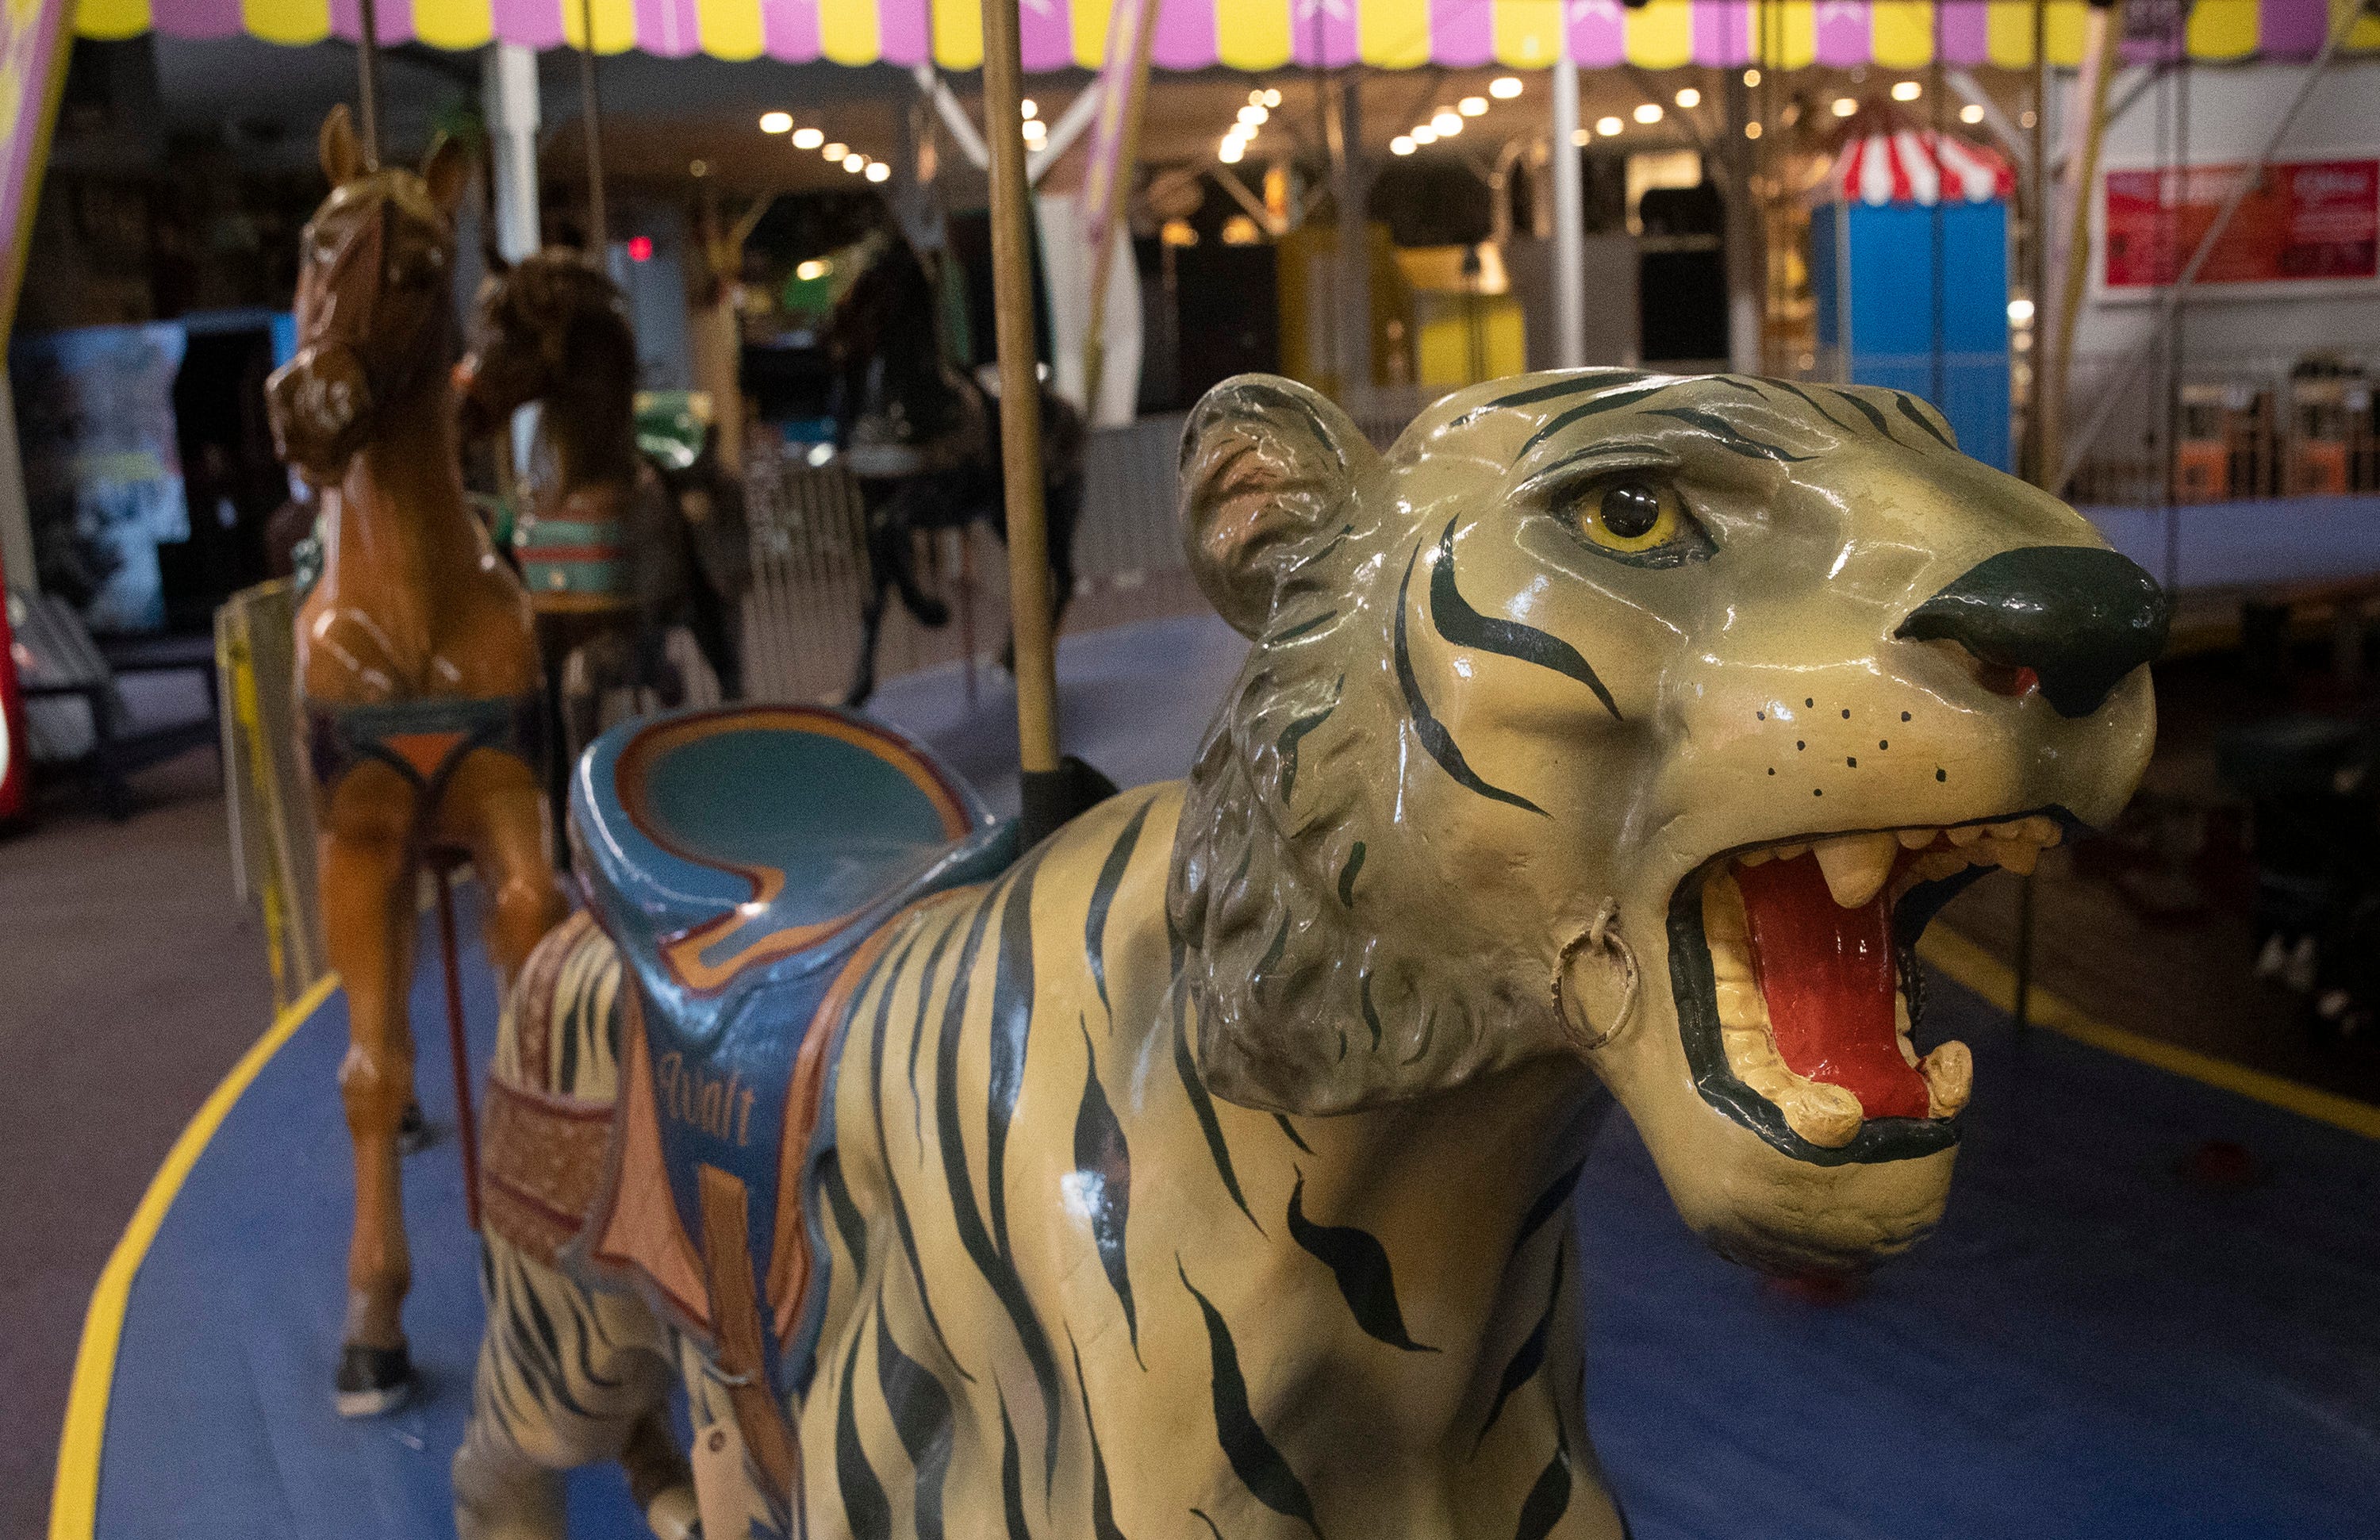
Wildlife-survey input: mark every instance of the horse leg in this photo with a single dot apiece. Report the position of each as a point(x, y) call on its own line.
point(872, 625)
point(367, 875)
point(493, 808)
point(1063, 510)
point(893, 552)
point(709, 616)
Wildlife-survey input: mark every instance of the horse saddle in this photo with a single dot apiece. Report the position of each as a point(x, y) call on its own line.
point(741, 860)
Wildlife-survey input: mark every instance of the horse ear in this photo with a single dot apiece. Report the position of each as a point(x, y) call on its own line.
point(341, 159)
point(447, 170)
point(1266, 463)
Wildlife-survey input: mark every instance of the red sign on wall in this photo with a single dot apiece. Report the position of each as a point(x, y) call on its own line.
point(2303, 220)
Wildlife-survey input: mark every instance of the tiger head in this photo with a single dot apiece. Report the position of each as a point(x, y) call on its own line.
point(1644, 719)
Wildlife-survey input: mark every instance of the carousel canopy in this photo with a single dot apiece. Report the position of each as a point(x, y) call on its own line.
point(1259, 34)
point(1900, 165)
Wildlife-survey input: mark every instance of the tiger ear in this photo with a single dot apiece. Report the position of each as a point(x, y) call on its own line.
point(1266, 465)
point(341, 159)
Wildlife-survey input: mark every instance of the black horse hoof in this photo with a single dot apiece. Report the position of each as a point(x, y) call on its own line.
point(373, 1381)
point(413, 1133)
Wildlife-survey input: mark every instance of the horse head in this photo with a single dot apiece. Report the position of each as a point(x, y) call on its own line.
point(540, 329)
point(375, 299)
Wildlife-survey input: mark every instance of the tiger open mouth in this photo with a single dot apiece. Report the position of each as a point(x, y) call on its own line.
point(1798, 995)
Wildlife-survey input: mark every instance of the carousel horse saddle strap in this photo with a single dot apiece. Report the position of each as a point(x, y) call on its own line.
point(745, 862)
point(422, 739)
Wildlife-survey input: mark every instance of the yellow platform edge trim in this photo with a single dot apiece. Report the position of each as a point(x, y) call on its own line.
point(74, 1503)
point(1967, 963)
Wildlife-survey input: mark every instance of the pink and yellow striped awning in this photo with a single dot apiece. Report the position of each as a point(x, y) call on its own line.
point(1262, 34)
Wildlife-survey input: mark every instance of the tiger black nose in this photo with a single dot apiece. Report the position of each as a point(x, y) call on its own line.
point(2079, 618)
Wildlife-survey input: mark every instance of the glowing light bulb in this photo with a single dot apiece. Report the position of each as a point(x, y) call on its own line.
point(1972, 112)
point(1028, 108)
point(835, 150)
point(1253, 114)
point(1580, 139)
point(854, 163)
point(1472, 106)
point(1256, 99)
point(1752, 130)
point(1845, 106)
point(812, 271)
point(1690, 98)
point(1608, 126)
point(1401, 145)
point(1271, 96)
point(1231, 152)
point(775, 123)
point(1447, 123)
point(2020, 312)
point(1648, 111)
point(1424, 134)
point(1503, 88)
point(807, 138)
point(1751, 78)
point(879, 172)
point(1907, 91)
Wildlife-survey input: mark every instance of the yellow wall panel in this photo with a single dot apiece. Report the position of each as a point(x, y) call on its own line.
point(453, 23)
point(958, 33)
point(1528, 32)
point(1661, 34)
point(1252, 34)
point(1902, 33)
point(729, 28)
point(1088, 19)
point(110, 20)
point(847, 30)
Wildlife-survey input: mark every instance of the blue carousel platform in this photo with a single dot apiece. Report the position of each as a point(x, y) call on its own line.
point(2092, 1346)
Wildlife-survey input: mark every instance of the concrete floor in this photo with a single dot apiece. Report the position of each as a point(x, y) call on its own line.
point(130, 980)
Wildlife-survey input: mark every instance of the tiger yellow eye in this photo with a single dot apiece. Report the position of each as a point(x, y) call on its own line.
point(1632, 510)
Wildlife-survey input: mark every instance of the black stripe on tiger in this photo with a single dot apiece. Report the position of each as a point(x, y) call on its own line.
point(1435, 739)
point(1103, 891)
point(1347, 875)
point(1103, 1525)
point(1463, 626)
point(1290, 736)
point(847, 1223)
point(1102, 1182)
point(1200, 1514)
point(869, 1511)
point(1253, 1458)
point(1722, 431)
point(987, 1257)
point(1575, 384)
point(1301, 628)
point(1528, 1358)
point(1012, 1478)
point(1371, 1016)
point(1548, 1204)
point(1548, 1498)
point(1611, 401)
point(1908, 409)
point(1360, 1265)
point(1203, 1107)
point(884, 1153)
point(920, 1410)
point(918, 1038)
point(1814, 404)
point(1874, 417)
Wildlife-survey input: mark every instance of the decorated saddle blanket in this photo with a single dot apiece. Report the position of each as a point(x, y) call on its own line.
point(741, 861)
point(421, 739)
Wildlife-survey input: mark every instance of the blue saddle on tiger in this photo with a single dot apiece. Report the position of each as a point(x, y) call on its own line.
point(740, 860)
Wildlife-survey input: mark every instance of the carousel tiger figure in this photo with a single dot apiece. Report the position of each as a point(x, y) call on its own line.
point(1207, 1169)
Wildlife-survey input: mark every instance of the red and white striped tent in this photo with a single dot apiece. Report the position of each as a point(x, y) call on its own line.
point(1895, 163)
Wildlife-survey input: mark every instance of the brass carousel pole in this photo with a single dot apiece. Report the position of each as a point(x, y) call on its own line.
point(368, 82)
point(1020, 425)
point(590, 125)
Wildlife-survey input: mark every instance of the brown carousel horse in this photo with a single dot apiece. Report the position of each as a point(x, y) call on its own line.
point(417, 669)
point(615, 548)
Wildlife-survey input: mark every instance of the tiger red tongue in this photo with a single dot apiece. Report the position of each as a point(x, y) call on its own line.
point(1828, 976)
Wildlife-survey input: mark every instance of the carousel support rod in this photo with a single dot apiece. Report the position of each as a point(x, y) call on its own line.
point(510, 92)
point(457, 1046)
point(1352, 346)
point(1570, 222)
point(367, 81)
point(591, 124)
point(2106, 26)
point(2113, 393)
point(2042, 405)
point(1020, 414)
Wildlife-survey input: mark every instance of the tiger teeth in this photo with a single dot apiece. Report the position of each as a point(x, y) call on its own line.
point(1858, 867)
point(1950, 1073)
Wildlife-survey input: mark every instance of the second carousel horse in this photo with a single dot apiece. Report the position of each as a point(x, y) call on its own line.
point(1208, 1169)
point(615, 549)
point(417, 674)
point(924, 441)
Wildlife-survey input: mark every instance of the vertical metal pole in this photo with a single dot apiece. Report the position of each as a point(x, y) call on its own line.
point(1569, 219)
point(1020, 398)
point(368, 82)
point(509, 94)
point(2042, 442)
point(591, 122)
point(458, 1049)
point(1352, 355)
